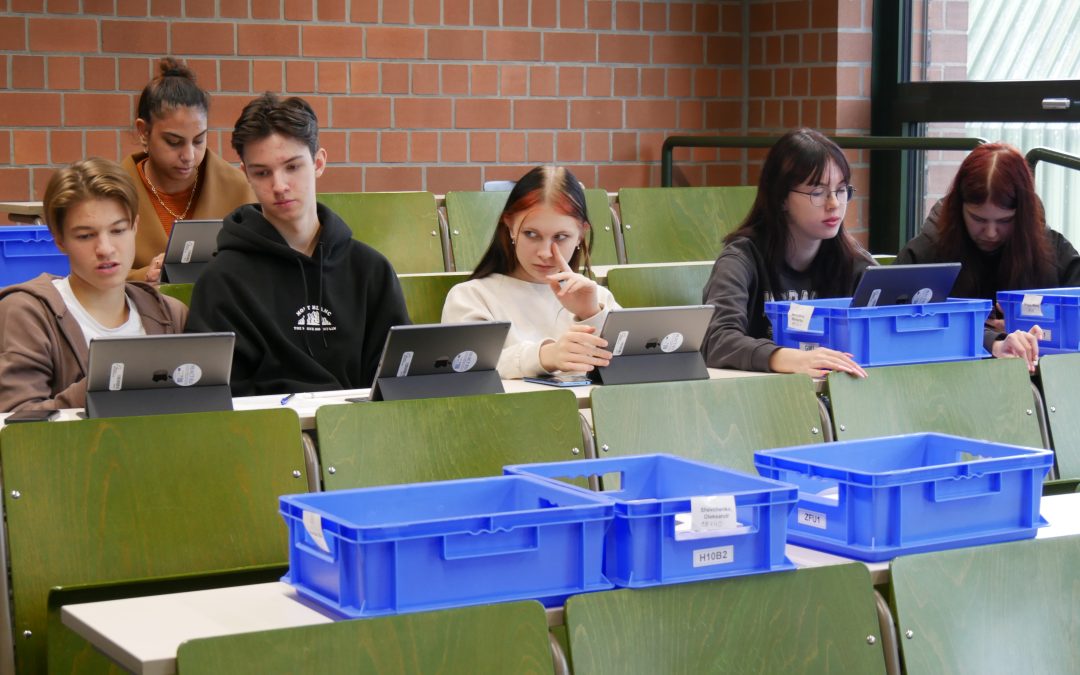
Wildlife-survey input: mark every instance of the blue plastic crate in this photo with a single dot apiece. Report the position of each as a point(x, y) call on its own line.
point(404, 548)
point(878, 498)
point(889, 334)
point(26, 251)
point(1055, 310)
point(653, 539)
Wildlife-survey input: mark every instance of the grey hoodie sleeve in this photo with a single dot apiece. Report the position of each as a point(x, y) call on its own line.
point(729, 289)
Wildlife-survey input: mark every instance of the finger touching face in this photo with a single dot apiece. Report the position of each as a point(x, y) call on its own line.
point(544, 241)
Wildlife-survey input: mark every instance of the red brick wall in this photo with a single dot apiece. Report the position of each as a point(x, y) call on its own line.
point(809, 65)
point(441, 94)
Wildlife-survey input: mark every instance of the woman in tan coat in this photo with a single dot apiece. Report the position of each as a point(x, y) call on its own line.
point(175, 175)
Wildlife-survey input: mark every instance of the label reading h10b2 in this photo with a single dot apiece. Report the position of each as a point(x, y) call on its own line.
point(718, 555)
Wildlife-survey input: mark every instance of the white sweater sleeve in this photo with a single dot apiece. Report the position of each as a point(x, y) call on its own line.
point(469, 302)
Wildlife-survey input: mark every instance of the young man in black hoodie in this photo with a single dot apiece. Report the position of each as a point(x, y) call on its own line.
point(310, 305)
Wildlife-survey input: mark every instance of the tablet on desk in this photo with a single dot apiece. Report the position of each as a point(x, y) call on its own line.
point(440, 359)
point(654, 344)
point(192, 245)
point(905, 284)
point(155, 374)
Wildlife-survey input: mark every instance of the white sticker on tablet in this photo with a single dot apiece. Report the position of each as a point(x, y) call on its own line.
point(116, 377)
point(620, 342)
point(313, 526)
point(718, 555)
point(808, 346)
point(874, 295)
point(922, 296)
point(1046, 335)
point(813, 519)
point(1031, 305)
point(712, 513)
point(189, 248)
point(464, 361)
point(671, 342)
point(798, 316)
point(406, 362)
point(187, 374)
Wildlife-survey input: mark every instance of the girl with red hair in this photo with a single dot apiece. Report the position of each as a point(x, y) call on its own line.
point(992, 222)
point(529, 277)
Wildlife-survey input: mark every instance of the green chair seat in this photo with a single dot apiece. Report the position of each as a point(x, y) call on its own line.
point(719, 421)
point(681, 224)
point(990, 399)
point(813, 620)
point(403, 226)
point(1059, 375)
point(115, 499)
point(658, 285)
point(426, 293)
point(1005, 608)
point(181, 292)
point(509, 637)
point(390, 442)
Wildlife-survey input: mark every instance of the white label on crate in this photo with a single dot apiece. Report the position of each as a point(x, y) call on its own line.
point(874, 295)
point(813, 519)
point(189, 248)
point(808, 346)
point(798, 317)
point(187, 374)
point(1031, 305)
point(719, 555)
point(620, 342)
point(671, 342)
point(712, 513)
point(313, 526)
point(116, 377)
point(922, 296)
point(464, 361)
point(403, 367)
point(1046, 335)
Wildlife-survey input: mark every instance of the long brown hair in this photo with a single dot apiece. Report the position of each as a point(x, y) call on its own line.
point(997, 173)
point(800, 156)
point(553, 186)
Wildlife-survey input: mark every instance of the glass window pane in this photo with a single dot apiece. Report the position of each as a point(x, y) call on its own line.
point(995, 40)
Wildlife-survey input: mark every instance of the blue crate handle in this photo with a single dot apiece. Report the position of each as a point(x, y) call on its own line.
point(955, 489)
point(317, 552)
point(919, 323)
point(485, 544)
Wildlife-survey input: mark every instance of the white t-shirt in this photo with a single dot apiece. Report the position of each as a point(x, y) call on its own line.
point(90, 326)
point(535, 314)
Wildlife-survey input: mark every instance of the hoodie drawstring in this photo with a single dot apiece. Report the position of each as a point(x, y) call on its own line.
point(303, 277)
point(319, 246)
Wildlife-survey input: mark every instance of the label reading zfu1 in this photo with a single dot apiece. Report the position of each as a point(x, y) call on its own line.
point(718, 555)
point(813, 519)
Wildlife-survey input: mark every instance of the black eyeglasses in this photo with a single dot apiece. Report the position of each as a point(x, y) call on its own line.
point(819, 195)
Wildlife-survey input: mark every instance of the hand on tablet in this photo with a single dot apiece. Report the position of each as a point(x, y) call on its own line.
point(153, 272)
point(577, 350)
point(576, 292)
point(815, 363)
point(1020, 344)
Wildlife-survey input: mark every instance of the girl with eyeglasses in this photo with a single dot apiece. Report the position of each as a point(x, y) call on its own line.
point(992, 222)
point(792, 246)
